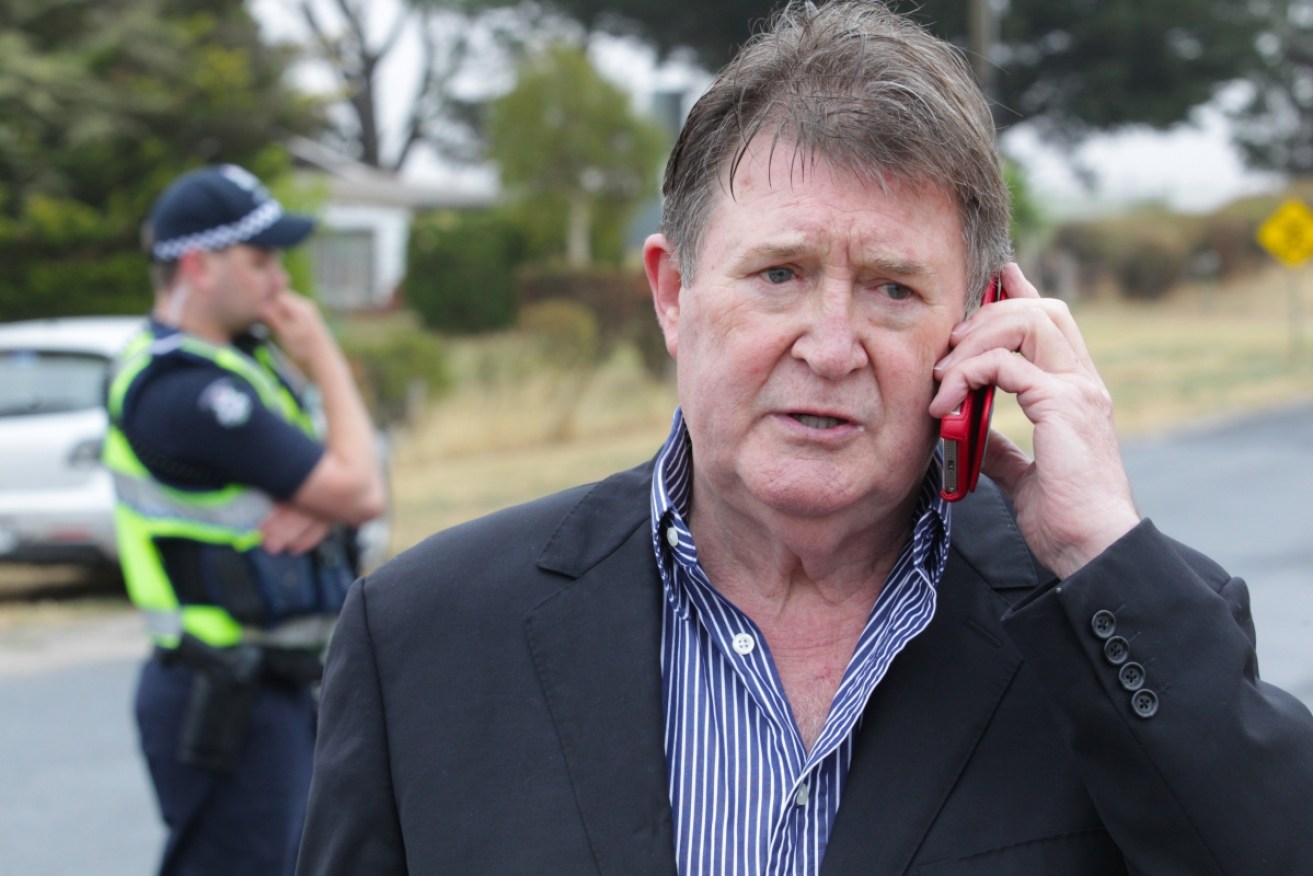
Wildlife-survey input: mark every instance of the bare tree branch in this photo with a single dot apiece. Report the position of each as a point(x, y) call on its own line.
point(339, 37)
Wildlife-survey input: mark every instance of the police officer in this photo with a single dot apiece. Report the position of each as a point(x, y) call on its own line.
point(232, 519)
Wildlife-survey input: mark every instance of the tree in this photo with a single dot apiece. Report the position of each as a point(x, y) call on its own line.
point(571, 151)
point(104, 102)
point(1070, 66)
point(1275, 122)
point(709, 32)
point(354, 39)
point(1074, 67)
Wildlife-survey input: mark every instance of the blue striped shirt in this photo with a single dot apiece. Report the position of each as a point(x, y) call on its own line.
point(748, 798)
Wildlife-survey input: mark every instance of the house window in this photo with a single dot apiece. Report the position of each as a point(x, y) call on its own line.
point(344, 268)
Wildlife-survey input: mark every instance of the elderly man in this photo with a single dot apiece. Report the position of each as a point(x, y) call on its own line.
point(775, 648)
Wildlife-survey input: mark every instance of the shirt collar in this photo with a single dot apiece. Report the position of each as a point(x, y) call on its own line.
point(672, 541)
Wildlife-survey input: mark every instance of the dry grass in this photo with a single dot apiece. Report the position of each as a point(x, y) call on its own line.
point(503, 436)
point(1201, 354)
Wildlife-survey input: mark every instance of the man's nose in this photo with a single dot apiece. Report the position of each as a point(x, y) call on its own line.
point(829, 342)
point(281, 278)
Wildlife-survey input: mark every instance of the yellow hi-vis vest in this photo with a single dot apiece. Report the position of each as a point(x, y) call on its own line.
point(147, 509)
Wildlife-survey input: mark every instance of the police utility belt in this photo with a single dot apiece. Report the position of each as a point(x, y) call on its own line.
point(261, 590)
point(225, 685)
point(286, 605)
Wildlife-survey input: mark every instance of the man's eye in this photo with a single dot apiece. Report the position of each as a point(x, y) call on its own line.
point(896, 291)
point(777, 275)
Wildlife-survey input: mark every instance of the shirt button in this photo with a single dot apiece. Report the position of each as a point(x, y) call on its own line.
point(1104, 624)
point(744, 644)
point(672, 536)
point(801, 797)
point(1116, 650)
point(1145, 703)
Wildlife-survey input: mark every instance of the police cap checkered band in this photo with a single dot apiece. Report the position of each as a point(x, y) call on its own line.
point(217, 207)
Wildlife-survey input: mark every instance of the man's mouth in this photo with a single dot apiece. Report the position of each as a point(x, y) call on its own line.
point(815, 422)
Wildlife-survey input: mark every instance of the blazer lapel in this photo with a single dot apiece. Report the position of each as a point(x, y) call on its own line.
point(596, 646)
point(924, 720)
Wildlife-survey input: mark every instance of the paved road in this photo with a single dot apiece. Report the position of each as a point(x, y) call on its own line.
point(74, 799)
point(1242, 493)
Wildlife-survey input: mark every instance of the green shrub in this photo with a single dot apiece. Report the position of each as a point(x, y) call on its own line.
point(618, 298)
point(1147, 252)
point(392, 368)
point(1150, 265)
point(62, 258)
point(1144, 254)
point(460, 271)
point(564, 332)
point(1233, 229)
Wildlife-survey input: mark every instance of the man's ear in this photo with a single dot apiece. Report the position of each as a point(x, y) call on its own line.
point(194, 268)
point(664, 278)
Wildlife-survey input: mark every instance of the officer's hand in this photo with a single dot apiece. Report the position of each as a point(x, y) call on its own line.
point(1073, 499)
point(288, 529)
point(300, 329)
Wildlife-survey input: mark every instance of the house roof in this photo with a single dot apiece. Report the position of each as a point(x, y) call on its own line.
point(352, 182)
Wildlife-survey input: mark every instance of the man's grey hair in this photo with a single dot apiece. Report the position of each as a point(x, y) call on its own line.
point(867, 91)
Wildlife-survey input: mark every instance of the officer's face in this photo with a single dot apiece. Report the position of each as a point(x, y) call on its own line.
point(247, 279)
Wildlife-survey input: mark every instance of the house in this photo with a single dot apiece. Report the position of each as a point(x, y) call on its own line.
point(358, 254)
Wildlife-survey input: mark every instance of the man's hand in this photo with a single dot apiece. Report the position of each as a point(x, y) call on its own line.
point(346, 486)
point(1073, 499)
point(300, 330)
point(287, 529)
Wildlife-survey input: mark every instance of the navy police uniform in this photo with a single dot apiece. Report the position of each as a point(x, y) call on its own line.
point(204, 440)
point(205, 422)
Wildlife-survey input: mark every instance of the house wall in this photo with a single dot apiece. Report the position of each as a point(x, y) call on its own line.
point(360, 255)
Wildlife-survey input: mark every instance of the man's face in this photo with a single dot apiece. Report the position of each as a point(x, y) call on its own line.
point(247, 280)
point(805, 343)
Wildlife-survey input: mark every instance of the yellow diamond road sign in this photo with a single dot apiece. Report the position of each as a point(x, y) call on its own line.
point(1288, 233)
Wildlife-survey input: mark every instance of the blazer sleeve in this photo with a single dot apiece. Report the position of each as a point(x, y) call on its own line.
point(351, 823)
point(1195, 764)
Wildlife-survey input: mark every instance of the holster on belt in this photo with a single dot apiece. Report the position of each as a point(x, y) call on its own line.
point(294, 666)
point(223, 690)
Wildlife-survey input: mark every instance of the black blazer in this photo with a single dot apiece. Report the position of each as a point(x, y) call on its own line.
point(492, 705)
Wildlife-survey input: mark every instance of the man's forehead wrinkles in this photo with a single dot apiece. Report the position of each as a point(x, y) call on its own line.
point(871, 257)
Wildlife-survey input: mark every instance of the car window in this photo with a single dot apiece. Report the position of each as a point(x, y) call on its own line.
point(42, 382)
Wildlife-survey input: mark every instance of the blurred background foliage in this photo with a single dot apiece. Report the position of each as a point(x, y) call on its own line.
point(575, 160)
point(104, 102)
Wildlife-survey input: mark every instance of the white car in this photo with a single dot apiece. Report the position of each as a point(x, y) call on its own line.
point(56, 499)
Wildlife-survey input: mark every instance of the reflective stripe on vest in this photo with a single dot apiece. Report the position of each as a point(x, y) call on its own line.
point(147, 509)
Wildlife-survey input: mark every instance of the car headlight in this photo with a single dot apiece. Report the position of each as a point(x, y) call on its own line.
point(86, 454)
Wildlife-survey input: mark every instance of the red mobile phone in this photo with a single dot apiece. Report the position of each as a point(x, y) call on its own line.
point(964, 432)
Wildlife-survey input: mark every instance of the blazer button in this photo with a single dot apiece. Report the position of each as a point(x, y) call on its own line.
point(1132, 676)
point(1104, 624)
point(1144, 703)
point(1116, 650)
